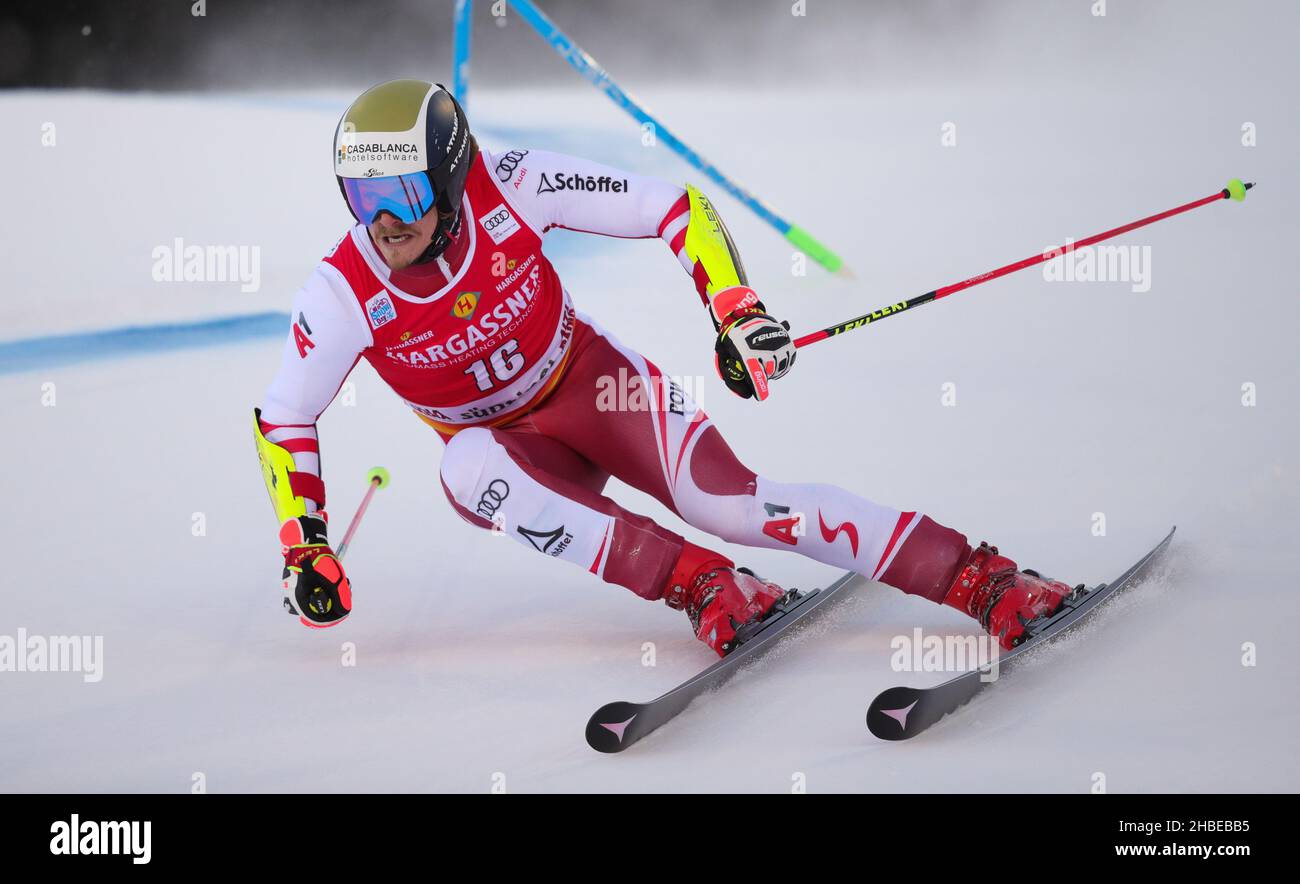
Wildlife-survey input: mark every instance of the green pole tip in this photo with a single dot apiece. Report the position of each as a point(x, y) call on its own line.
point(808, 244)
point(378, 474)
point(1237, 190)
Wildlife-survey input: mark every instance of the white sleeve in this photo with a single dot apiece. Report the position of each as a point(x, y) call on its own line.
point(555, 190)
point(326, 336)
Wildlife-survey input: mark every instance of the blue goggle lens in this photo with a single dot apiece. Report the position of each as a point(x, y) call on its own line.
point(406, 197)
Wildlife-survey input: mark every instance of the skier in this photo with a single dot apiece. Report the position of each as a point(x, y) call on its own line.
point(443, 288)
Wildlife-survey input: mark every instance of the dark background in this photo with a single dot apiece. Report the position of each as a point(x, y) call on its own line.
point(160, 45)
point(297, 44)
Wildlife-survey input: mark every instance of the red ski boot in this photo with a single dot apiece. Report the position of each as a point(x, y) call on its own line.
point(1002, 598)
point(718, 597)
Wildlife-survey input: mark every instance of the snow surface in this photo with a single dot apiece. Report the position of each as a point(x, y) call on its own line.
point(475, 658)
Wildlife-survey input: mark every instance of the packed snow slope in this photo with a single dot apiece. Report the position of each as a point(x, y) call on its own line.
point(477, 660)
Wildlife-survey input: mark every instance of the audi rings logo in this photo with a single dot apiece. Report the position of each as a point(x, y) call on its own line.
point(496, 220)
point(508, 163)
point(497, 491)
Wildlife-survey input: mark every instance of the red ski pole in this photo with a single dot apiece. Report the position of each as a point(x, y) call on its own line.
point(378, 477)
point(1235, 190)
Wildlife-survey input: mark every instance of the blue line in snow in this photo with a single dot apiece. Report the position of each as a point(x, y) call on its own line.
point(59, 350)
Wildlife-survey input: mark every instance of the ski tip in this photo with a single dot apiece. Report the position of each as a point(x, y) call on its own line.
point(890, 716)
point(614, 727)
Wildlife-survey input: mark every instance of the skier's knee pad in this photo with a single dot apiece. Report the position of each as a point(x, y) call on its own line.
point(724, 516)
point(715, 492)
point(463, 465)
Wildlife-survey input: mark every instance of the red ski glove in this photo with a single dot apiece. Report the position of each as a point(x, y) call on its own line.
point(315, 586)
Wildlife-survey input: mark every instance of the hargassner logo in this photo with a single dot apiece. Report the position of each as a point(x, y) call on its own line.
point(78, 837)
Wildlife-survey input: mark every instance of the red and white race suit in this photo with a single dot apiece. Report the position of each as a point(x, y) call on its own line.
point(539, 406)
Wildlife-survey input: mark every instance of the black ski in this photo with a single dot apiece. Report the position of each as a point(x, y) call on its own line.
point(901, 713)
point(615, 726)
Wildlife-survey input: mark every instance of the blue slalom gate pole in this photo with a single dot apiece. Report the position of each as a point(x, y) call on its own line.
point(587, 66)
point(461, 21)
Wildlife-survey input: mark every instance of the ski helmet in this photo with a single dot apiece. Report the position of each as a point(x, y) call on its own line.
point(404, 147)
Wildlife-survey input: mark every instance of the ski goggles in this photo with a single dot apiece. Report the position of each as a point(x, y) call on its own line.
point(408, 198)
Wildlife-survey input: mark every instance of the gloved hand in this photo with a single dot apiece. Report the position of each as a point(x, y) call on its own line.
point(752, 347)
point(315, 586)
